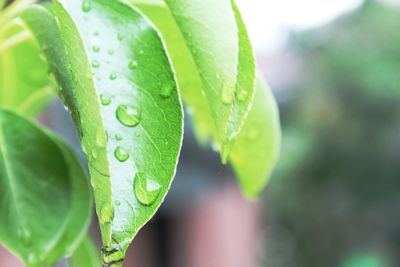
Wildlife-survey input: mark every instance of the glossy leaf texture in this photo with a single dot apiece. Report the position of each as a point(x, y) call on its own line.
point(257, 147)
point(259, 154)
point(25, 83)
point(44, 194)
point(86, 255)
point(218, 42)
point(122, 93)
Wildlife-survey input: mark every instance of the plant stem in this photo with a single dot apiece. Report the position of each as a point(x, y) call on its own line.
point(13, 10)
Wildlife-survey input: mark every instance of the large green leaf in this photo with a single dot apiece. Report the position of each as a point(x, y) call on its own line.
point(122, 93)
point(40, 186)
point(256, 150)
point(86, 255)
point(217, 40)
point(252, 159)
point(25, 85)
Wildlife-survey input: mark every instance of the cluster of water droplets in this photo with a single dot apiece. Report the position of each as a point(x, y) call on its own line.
point(146, 189)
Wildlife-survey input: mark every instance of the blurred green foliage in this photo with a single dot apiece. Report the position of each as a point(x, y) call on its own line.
point(337, 190)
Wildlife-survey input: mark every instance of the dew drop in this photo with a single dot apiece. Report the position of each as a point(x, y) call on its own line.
point(96, 48)
point(106, 214)
point(95, 64)
point(101, 139)
point(227, 94)
point(146, 189)
point(166, 90)
point(242, 94)
point(141, 52)
point(113, 76)
point(105, 100)
point(128, 116)
point(118, 137)
point(117, 203)
point(133, 64)
point(120, 154)
point(96, 33)
point(111, 52)
point(137, 134)
point(86, 6)
point(120, 37)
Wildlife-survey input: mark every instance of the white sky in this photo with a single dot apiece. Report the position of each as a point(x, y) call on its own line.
point(268, 21)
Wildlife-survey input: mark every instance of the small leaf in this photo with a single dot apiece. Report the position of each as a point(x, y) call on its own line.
point(256, 149)
point(217, 40)
point(121, 90)
point(25, 83)
point(86, 255)
point(40, 184)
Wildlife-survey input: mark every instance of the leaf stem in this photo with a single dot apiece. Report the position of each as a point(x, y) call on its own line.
point(13, 9)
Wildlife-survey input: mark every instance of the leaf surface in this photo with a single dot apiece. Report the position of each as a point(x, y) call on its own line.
point(25, 84)
point(256, 149)
point(252, 158)
point(38, 193)
point(122, 94)
point(86, 255)
point(218, 43)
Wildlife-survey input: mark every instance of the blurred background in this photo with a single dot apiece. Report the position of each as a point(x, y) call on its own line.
point(334, 199)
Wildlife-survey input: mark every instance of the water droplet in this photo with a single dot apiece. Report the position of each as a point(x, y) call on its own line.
point(118, 137)
point(117, 203)
point(133, 64)
point(242, 94)
point(227, 94)
point(137, 134)
point(101, 138)
point(120, 37)
point(95, 64)
point(113, 76)
point(217, 76)
point(166, 90)
point(105, 100)
point(25, 236)
point(146, 189)
point(86, 6)
point(96, 48)
point(120, 154)
point(96, 33)
point(110, 52)
point(106, 214)
point(141, 52)
point(128, 116)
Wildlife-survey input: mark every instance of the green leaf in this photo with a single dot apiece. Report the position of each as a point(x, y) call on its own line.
point(39, 179)
point(253, 158)
point(81, 208)
point(189, 81)
point(2, 4)
point(217, 40)
point(121, 90)
point(256, 149)
point(25, 85)
point(86, 255)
